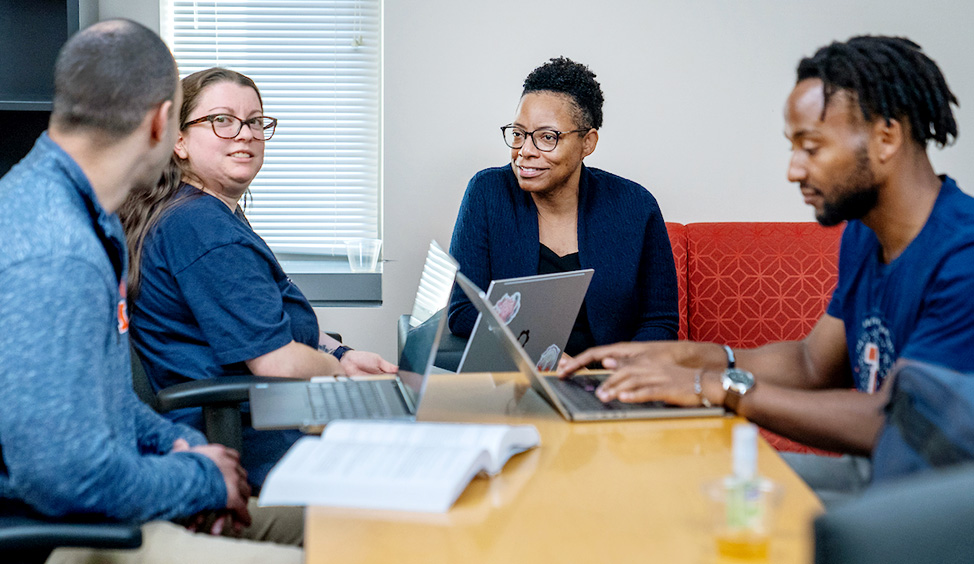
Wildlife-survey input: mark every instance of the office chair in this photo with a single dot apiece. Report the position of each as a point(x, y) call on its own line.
point(448, 352)
point(925, 518)
point(220, 398)
point(27, 537)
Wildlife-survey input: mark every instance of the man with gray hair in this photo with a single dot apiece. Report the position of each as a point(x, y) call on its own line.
point(75, 439)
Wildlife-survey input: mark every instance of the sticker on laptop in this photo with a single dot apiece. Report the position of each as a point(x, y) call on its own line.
point(507, 307)
point(549, 358)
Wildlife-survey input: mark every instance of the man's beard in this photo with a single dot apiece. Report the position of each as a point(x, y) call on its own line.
point(853, 199)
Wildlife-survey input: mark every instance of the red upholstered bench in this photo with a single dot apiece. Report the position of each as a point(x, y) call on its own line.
point(747, 284)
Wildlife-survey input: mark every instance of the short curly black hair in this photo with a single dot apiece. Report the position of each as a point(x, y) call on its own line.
point(891, 78)
point(565, 76)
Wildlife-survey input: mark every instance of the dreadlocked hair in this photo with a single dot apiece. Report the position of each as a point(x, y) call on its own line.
point(565, 76)
point(891, 77)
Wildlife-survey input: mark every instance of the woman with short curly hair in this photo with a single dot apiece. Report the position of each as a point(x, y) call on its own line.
point(547, 212)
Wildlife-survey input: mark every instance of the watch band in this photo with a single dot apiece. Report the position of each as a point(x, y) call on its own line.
point(731, 359)
point(732, 399)
point(340, 351)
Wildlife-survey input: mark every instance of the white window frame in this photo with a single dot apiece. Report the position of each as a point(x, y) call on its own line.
point(317, 64)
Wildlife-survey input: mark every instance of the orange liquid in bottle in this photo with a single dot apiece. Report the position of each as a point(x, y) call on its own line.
point(742, 544)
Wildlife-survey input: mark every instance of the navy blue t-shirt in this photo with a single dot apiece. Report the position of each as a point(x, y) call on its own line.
point(212, 295)
point(919, 306)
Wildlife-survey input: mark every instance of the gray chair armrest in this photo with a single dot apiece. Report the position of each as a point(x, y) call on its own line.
point(27, 533)
point(220, 399)
point(214, 391)
point(333, 335)
point(28, 537)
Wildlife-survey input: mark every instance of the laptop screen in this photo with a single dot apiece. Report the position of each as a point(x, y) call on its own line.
point(417, 354)
point(419, 349)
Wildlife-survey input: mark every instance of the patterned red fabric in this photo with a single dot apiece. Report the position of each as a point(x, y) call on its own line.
point(754, 283)
point(678, 240)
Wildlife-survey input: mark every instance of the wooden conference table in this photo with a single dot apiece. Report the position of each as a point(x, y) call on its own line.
point(592, 492)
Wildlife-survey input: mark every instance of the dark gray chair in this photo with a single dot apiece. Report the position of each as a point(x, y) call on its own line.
point(926, 518)
point(219, 397)
point(448, 353)
point(26, 537)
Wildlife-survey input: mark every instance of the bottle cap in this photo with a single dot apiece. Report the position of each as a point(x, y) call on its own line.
point(745, 451)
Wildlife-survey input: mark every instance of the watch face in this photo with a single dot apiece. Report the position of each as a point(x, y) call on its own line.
point(738, 380)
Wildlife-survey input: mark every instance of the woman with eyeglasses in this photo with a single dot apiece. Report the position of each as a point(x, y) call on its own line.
point(547, 212)
point(208, 296)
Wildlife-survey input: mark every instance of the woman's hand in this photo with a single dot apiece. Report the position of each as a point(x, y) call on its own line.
point(364, 362)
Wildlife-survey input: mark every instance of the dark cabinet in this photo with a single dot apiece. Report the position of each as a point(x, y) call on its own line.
point(31, 34)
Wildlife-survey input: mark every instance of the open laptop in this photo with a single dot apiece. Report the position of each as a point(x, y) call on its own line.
point(539, 310)
point(574, 398)
point(288, 405)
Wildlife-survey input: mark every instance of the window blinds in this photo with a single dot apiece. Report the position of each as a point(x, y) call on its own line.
point(316, 63)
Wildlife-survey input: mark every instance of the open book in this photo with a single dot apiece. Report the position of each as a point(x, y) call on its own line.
point(407, 466)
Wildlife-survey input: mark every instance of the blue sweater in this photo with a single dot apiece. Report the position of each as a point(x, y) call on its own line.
point(75, 438)
point(621, 235)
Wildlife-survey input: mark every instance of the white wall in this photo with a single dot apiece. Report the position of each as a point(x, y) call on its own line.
point(694, 92)
point(145, 12)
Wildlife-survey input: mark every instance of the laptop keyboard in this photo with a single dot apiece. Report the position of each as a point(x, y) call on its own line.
point(580, 392)
point(348, 400)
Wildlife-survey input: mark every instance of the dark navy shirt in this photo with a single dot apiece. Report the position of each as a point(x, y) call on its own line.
point(919, 306)
point(212, 295)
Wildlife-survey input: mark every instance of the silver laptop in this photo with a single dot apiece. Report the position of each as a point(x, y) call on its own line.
point(574, 398)
point(539, 310)
point(289, 405)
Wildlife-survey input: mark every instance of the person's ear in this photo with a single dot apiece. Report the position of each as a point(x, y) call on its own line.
point(589, 141)
point(160, 122)
point(180, 148)
point(888, 139)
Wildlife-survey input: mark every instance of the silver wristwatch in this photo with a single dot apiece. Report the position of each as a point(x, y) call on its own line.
point(736, 383)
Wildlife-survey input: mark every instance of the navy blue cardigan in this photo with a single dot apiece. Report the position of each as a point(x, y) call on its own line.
point(621, 235)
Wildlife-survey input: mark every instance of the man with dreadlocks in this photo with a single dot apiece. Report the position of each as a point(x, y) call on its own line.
point(859, 120)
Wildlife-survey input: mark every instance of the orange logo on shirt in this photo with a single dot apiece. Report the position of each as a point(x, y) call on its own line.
point(123, 311)
point(872, 361)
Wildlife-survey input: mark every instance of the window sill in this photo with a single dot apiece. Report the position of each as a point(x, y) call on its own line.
point(328, 282)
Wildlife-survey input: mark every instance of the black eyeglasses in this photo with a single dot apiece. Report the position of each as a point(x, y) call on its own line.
point(226, 126)
point(546, 140)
